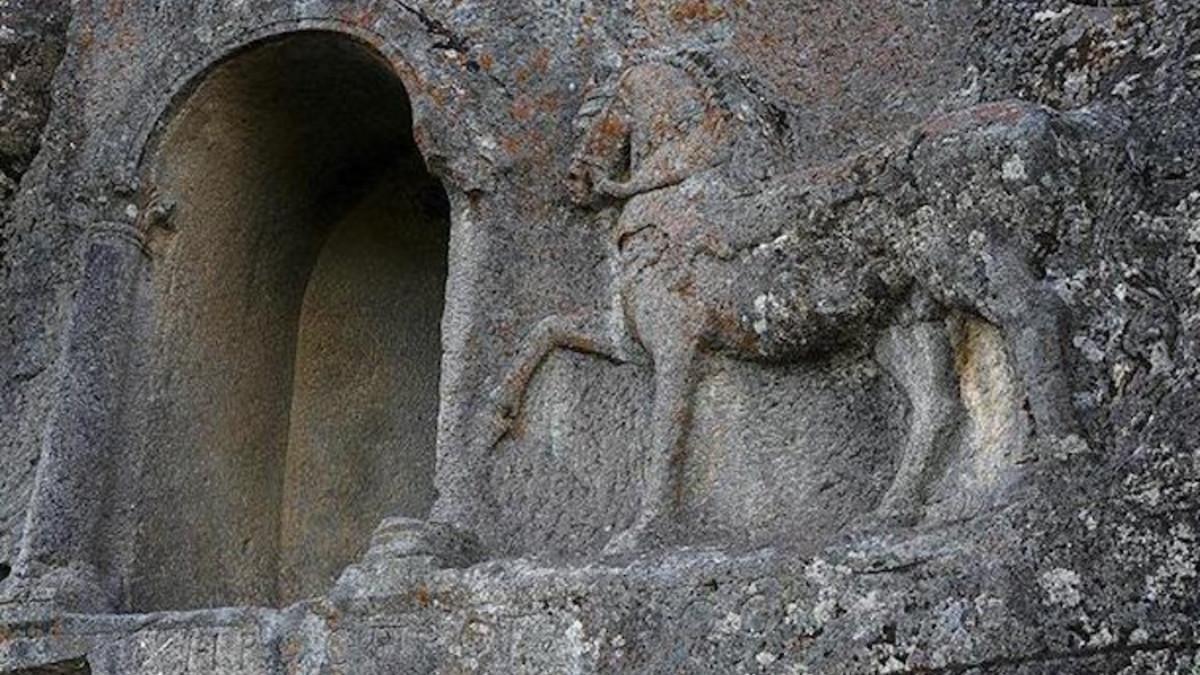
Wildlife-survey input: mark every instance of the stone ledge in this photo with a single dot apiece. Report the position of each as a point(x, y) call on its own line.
point(933, 602)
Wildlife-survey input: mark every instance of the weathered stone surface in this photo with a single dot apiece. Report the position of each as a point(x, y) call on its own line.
point(775, 337)
point(31, 44)
point(32, 40)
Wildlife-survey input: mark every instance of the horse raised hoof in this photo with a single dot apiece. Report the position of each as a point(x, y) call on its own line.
point(638, 538)
point(497, 420)
point(883, 520)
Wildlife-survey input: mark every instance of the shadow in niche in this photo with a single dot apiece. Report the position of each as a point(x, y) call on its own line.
point(288, 391)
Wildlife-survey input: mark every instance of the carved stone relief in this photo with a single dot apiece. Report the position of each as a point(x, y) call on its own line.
point(921, 255)
point(684, 336)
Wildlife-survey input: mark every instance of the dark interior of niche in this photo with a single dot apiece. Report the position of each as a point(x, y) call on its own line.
point(293, 371)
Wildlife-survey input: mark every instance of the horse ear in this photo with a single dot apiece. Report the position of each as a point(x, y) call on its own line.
point(591, 108)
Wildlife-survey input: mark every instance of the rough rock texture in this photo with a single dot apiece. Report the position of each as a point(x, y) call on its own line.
point(32, 40)
point(777, 337)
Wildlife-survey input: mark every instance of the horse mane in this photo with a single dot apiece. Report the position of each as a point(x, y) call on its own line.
point(766, 119)
point(768, 123)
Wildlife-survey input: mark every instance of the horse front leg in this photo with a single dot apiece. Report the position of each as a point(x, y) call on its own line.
point(675, 375)
point(551, 333)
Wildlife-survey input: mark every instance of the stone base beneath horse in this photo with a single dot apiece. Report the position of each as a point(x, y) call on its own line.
point(952, 599)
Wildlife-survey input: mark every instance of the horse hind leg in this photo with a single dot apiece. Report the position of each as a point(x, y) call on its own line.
point(919, 358)
point(1037, 346)
point(1033, 321)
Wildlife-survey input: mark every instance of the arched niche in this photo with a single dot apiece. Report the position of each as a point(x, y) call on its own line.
point(287, 396)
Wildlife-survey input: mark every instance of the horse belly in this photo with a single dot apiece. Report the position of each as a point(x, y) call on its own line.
point(787, 300)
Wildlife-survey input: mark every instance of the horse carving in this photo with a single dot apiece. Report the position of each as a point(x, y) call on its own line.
point(712, 257)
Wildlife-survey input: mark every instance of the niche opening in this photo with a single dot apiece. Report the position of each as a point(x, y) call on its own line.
point(288, 397)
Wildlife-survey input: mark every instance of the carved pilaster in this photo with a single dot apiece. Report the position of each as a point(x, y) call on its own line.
point(67, 557)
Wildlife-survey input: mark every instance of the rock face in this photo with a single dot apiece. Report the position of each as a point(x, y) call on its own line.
point(32, 40)
point(693, 336)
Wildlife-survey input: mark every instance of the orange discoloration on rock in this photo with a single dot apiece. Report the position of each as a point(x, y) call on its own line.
point(519, 427)
point(678, 488)
point(538, 64)
point(713, 120)
point(662, 125)
point(486, 61)
point(613, 127)
point(358, 16)
point(437, 95)
point(291, 649)
point(587, 344)
point(87, 38)
point(511, 144)
point(685, 287)
point(526, 107)
point(115, 9)
point(422, 597)
point(728, 325)
point(697, 10)
point(333, 619)
point(541, 60)
point(126, 40)
point(549, 103)
point(522, 109)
